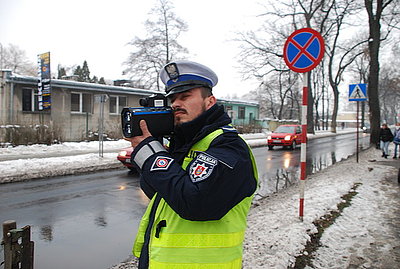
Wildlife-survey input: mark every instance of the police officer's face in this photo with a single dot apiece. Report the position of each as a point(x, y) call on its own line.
point(190, 104)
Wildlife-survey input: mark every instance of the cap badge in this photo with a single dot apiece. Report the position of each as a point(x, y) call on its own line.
point(172, 70)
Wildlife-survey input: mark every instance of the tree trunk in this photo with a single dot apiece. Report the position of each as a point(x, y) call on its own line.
point(310, 107)
point(335, 108)
point(373, 79)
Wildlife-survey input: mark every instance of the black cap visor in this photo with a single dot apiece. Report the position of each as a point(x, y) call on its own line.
point(185, 86)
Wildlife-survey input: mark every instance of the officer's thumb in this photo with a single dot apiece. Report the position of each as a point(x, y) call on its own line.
point(143, 127)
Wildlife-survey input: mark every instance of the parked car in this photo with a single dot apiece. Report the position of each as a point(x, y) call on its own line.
point(286, 136)
point(124, 156)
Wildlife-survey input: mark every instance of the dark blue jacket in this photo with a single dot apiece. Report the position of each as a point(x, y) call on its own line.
point(211, 197)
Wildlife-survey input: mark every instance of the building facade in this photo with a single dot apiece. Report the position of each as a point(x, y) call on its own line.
point(79, 109)
point(241, 112)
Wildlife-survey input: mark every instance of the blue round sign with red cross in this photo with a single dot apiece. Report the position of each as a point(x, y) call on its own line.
point(303, 50)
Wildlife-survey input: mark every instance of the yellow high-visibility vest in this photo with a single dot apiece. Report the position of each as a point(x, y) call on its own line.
point(179, 243)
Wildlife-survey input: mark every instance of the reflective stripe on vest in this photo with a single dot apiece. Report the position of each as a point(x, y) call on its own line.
point(196, 244)
point(231, 265)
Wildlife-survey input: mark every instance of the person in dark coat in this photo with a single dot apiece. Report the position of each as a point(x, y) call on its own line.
point(385, 136)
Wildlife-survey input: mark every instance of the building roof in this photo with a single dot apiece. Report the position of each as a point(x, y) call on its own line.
point(238, 102)
point(70, 84)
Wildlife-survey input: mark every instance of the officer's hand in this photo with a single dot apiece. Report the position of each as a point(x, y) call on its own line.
point(137, 139)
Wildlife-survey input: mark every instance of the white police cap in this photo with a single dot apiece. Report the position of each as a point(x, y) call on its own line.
point(180, 76)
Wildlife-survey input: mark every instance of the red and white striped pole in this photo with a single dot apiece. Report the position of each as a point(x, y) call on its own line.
point(303, 153)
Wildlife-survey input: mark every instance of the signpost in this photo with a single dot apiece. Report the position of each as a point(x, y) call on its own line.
point(44, 82)
point(303, 51)
point(357, 92)
point(101, 98)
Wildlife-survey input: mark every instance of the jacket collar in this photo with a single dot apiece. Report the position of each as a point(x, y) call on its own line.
point(188, 133)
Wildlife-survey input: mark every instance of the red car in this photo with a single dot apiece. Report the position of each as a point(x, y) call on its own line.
point(286, 136)
point(124, 156)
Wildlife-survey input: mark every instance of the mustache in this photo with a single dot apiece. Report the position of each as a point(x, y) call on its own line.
point(180, 110)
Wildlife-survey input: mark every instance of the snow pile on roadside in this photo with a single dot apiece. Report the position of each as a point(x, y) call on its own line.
point(72, 158)
point(65, 148)
point(364, 236)
point(24, 169)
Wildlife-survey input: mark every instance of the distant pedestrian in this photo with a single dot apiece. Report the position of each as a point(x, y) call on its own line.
point(385, 136)
point(396, 140)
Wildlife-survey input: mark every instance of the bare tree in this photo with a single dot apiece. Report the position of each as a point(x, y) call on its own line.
point(359, 69)
point(341, 53)
point(15, 59)
point(380, 13)
point(262, 56)
point(389, 87)
point(158, 48)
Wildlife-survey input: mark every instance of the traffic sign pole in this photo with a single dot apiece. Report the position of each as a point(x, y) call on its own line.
point(358, 136)
point(303, 51)
point(303, 153)
point(358, 93)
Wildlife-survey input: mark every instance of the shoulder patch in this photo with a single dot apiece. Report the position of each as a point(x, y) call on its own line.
point(202, 167)
point(161, 163)
point(229, 129)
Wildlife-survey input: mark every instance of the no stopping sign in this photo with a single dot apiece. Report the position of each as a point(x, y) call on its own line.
point(303, 50)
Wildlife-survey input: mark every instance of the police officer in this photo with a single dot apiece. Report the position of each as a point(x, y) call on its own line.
point(201, 187)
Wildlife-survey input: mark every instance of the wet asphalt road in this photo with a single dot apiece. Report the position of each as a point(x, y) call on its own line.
point(89, 221)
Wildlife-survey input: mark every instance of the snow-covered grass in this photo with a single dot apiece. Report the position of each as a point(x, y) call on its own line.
point(38, 161)
point(359, 238)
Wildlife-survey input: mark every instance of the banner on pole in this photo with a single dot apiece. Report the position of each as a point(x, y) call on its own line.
point(44, 74)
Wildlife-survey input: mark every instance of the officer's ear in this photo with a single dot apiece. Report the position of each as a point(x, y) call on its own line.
point(210, 101)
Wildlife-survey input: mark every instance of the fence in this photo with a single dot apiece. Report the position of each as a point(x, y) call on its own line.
point(18, 247)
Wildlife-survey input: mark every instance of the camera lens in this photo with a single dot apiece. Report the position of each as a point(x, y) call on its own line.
point(144, 101)
point(127, 116)
point(128, 129)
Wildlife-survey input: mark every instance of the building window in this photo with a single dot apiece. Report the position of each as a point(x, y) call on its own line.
point(30, 100)
point(81, 102)
point(117, 103)
point(229, 111)
point(242, 112)
point(228, 108)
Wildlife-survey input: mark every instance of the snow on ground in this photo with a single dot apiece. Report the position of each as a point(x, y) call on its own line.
point(38, 161)
point(365, 236)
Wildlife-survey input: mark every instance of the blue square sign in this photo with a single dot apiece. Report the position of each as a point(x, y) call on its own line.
point(358, 92)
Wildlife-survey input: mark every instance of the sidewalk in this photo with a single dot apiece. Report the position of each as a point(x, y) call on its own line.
point(365, 235)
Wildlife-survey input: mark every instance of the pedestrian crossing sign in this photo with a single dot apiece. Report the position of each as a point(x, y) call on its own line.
point(358, 92)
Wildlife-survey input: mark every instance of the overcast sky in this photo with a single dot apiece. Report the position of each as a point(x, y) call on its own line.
point(98, 31)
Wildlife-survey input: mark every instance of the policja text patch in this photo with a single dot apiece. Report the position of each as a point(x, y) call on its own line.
point(202, 167)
